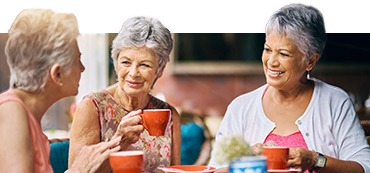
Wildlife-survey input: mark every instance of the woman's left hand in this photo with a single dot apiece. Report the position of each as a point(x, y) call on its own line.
point(301, 158)
point(91, 157)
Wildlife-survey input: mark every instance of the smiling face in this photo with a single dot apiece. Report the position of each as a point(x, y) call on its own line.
point(136, 70)
point(283, 63)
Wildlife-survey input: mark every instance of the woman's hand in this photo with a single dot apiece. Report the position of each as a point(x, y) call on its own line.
point(301, 158)
point(257, 149)
point(91, 157)
point(130, 129)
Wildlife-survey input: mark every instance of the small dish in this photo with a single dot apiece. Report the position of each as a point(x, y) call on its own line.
point(290, 170)
point(188, 169)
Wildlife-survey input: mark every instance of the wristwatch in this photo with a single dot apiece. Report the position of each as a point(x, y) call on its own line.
point(320, 161)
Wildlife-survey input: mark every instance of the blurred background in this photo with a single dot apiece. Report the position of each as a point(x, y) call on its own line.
point(207, 71)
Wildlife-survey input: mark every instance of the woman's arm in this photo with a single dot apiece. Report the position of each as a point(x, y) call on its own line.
point(176, 138)
point(85, 131)
point(16, 143)
point(305, 159)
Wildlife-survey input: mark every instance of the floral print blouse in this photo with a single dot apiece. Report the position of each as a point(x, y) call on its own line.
point(157, 150)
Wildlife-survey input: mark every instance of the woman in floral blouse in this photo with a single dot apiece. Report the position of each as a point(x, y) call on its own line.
point(140, 52)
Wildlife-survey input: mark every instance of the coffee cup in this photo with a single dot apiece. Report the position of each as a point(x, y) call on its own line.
point(155, 121)
point(277, 157)
point(127, 161)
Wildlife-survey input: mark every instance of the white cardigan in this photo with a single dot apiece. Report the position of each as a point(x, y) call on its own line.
point(329, 125)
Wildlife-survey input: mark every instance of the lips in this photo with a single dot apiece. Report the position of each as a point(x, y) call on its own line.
point(134, 84)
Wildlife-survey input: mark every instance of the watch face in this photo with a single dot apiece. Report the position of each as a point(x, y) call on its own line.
point(321, 161)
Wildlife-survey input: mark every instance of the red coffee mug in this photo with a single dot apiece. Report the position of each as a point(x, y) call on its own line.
point(155, 121)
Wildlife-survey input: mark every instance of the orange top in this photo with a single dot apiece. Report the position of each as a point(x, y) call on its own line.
point(40, 143)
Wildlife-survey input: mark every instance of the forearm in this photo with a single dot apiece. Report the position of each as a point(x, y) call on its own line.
point(339, 166)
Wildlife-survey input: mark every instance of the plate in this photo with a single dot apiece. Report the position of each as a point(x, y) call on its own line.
point(291, 170)
point(188, 169)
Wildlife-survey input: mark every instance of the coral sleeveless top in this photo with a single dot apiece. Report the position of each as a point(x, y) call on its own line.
point(40, 143)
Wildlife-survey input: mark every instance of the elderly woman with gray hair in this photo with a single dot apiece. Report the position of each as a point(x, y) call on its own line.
point(316, 120)
point(44, 61)
point(140, 52)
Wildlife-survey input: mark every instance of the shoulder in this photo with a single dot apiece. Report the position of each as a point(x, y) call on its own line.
point(329, 91)
point(11, 103)
point(250, 97)
point(158, 103)
point(17, 121)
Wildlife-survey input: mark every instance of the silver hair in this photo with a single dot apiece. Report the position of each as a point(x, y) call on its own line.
point(303, 24)
point(37, 39)
point(142, 31)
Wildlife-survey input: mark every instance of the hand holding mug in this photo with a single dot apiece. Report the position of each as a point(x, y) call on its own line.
point(301, 158)
point(130, 128)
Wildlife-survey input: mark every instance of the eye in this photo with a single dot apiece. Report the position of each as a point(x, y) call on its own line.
point(145, 65)
point(284, 54)
point(266, 49)
point(126, 63)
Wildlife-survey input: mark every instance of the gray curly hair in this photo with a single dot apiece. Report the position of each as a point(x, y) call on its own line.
point(144, 31)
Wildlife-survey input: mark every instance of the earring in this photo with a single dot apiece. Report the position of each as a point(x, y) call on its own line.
point(308, 74)
point(61, 84)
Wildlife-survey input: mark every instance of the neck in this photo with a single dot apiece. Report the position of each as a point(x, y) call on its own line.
point(36, 102)
point(131, 103)
point(295, 94)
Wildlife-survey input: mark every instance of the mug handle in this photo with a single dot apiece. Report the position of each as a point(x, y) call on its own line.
point(141, 115)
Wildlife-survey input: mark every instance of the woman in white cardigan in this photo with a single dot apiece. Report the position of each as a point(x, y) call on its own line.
point(317, 121)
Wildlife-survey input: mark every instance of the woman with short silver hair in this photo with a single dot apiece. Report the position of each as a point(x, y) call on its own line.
point(316, 120)
point(44, 61)
point(140, 53)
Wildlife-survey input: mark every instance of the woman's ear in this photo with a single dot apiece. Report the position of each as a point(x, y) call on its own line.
point(312, 62)
point(160, 73)
point(56, 74)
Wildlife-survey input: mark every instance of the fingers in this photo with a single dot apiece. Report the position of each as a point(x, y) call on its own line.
point(134, 113)
point(257, 149)
point(130, 119)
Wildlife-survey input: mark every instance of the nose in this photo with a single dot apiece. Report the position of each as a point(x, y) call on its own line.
point(82, 67)
point(134, 71)
point(273, 60)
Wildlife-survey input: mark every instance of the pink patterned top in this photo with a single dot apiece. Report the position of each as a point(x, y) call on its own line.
point(294, 140)
point(157, 149)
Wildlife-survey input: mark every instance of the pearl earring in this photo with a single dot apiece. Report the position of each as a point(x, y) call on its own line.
point(308, 74)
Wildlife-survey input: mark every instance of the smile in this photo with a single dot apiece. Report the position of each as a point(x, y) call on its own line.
point(274, 73)
point(133, 84)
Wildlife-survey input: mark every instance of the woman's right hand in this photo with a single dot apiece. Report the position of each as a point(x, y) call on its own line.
point(130, 129)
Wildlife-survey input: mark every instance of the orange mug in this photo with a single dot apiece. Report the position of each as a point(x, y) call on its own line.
point(127, 161)
point(277, 157)
point(155, 121)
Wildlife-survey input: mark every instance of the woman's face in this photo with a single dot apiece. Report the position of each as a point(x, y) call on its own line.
point(136, 70)
point(283, 63)
point(77, 69)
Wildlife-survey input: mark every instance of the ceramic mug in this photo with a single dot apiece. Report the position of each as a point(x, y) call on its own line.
point(277, 157)
point(155, 121)
point(127, 161)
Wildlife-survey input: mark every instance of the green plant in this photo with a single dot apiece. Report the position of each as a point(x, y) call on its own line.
point(229, 148)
